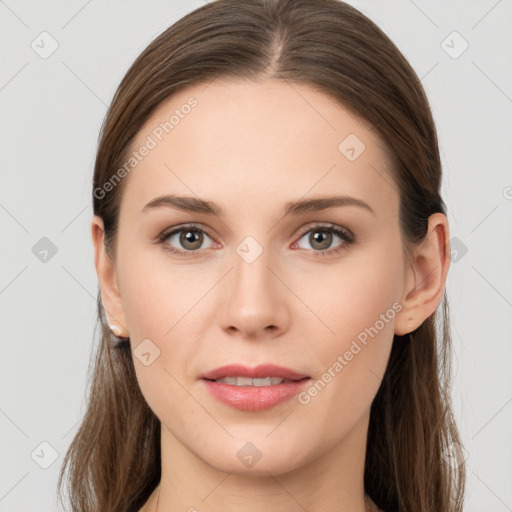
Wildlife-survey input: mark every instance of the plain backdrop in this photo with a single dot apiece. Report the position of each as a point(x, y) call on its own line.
point(51, 110)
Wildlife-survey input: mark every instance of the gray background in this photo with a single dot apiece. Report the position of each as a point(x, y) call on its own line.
point(51, 111)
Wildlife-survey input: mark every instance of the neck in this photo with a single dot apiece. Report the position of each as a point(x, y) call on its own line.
point(332, 481)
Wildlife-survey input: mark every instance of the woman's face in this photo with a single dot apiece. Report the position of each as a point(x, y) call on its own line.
point(282, 273)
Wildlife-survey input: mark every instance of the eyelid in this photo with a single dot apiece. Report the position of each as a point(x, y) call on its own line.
point(345, 234)
point(327, 226)
point(167, 233)
point(302, 231)
point(180, 227)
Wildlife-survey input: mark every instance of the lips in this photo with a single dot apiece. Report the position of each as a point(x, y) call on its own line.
point(253, 389)
point(259, 372)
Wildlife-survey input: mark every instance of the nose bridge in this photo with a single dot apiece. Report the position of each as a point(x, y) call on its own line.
point(251, 278)
point(254, 299)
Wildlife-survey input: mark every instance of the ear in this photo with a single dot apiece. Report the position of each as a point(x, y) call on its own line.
point(105, 268)
point(426, 276)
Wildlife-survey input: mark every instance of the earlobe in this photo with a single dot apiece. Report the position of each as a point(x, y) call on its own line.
point(426, 277)
point(106, 271)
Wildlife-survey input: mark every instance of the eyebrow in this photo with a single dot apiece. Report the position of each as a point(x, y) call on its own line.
point(193, 204)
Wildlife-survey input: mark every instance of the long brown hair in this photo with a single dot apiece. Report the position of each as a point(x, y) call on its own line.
point(113, 462)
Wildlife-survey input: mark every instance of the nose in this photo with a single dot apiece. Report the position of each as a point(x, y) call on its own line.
point(254, 301)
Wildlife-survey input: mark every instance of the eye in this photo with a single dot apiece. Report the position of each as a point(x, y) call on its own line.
point(185, 240)
point(188, 239)
point(321, 238)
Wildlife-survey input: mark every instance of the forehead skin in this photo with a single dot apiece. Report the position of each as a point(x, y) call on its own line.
point(251, 144)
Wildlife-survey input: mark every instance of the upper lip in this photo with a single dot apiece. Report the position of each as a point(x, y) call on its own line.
point(260, 371)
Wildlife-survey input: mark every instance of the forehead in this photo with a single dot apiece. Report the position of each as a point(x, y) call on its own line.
point(252, 139)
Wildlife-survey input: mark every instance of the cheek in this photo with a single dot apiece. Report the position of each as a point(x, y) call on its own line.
point(157, 302)
point(162, 303)
point(157, 294)
point(352, 296)
point(357, 303)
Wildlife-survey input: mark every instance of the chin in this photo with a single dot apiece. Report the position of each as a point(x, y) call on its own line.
point(257, 454)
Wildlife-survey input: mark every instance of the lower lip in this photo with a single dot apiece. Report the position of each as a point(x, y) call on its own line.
point(254, 398)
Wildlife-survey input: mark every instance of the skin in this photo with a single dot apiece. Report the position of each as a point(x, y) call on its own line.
point(251, 147)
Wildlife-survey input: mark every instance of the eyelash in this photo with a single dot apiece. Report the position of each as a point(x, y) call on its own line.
point(347, 237)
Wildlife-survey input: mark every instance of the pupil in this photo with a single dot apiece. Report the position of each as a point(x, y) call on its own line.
point(322, 238)
point(193, 238)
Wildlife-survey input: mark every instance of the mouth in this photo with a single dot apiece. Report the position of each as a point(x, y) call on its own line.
point(247, 381)
point(253, 389)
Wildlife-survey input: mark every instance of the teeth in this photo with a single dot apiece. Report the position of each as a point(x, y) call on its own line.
point(247, 381)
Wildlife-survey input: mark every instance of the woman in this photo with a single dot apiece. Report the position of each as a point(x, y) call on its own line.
point(272, 248)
